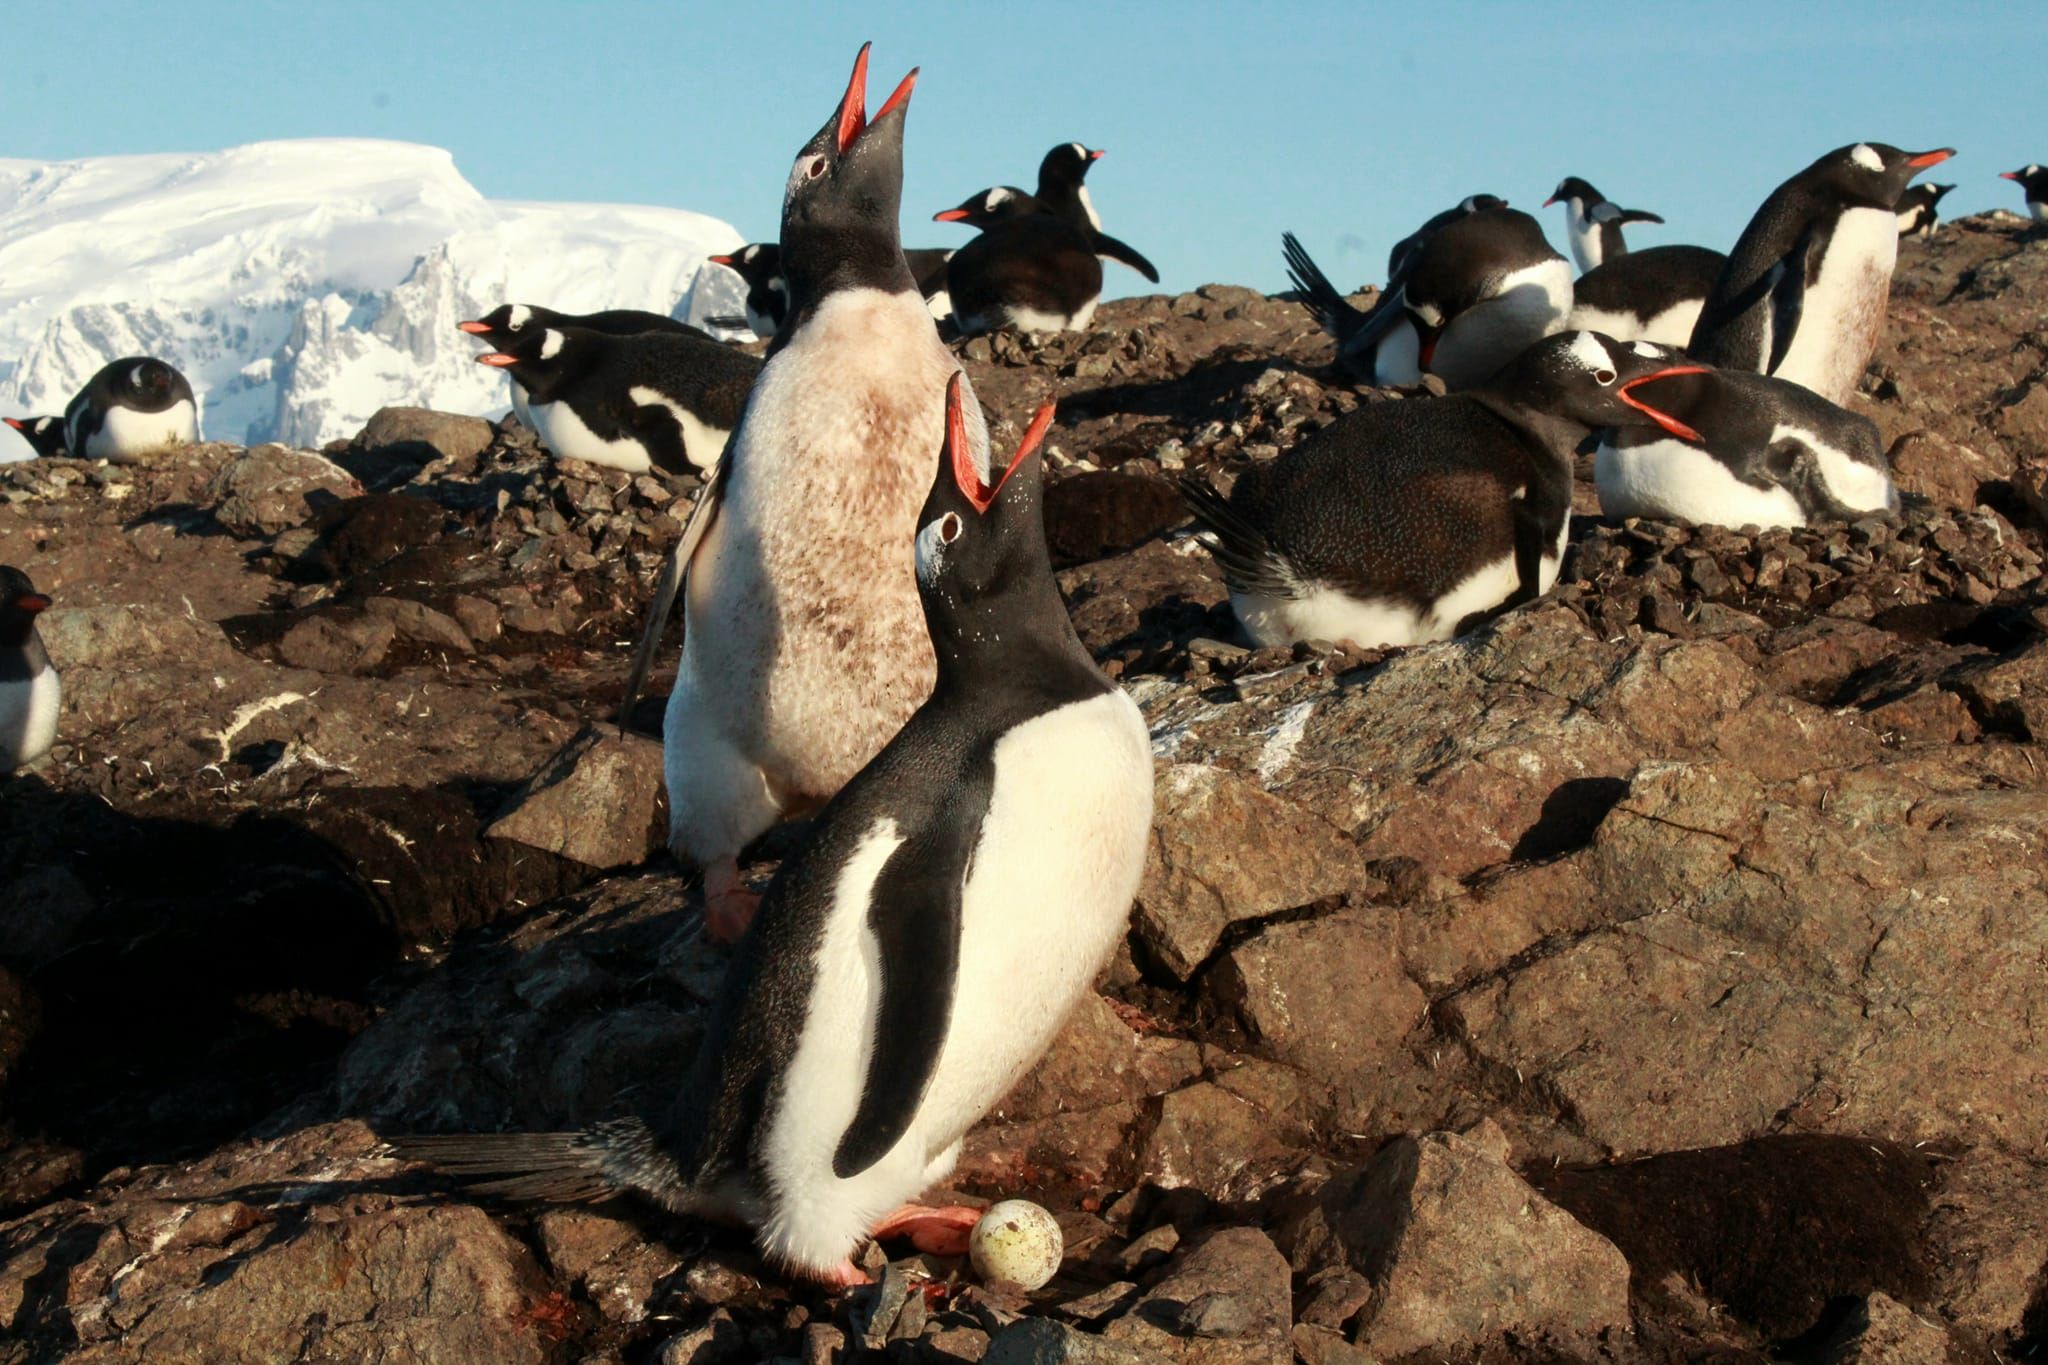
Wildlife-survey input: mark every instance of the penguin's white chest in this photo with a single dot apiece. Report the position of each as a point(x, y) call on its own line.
point(125, 433)
point(1529, 305)
point(28, 718)
point(569, 437)
point(1585, 235)
point(1844, 306)
point(1398, 357)
point(1670, 478)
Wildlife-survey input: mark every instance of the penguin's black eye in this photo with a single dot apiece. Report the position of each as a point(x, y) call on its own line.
point(1603, 377)
point(949, 527)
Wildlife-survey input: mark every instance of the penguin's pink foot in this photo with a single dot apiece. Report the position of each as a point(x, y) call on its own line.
point(934, 1231)
point(728, 905)
point(845, 1275)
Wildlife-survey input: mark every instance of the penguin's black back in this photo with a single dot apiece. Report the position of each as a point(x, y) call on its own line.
point(1465, 259)
point(1040, 262)
point(632, 322)
point(1646, 282)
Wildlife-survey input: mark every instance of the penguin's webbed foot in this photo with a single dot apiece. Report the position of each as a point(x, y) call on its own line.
point(728, 905)
point(934, 1231)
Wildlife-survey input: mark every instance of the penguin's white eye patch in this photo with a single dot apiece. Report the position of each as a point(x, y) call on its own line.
point(520, 314)
point(1864, 155)
point(1590, 354)
point(806, 168)
point(933, 541)
point(1647, 350)
point(551, 345)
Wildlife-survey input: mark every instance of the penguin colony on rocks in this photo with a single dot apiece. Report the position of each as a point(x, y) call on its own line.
point(874, 637)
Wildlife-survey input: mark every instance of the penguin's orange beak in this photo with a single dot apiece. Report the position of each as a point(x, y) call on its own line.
point(32, 603)
point(965, 476)
point(15, 422)
point(725, 261)
point(1551, 200)
point(473, 327)
point(1098, 154)
point(1923, 160)
point(853, 118)
point(1662, 419)
point(498, 358)
point(2002, 175)
point(949, 215)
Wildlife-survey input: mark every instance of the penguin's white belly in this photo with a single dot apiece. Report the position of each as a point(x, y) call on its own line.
point(760, 324)
point(939, 305)
point(569, 438)
point(1061, 849)
point(519, 407)
point(703, 443)
point(1675, 479)
point(1326, 613)
point(1843, 309)
point(1398, 357)
point(1532, 303)
point(2037, 209)
point(1026, 319)
point(1671, 326)
point(125, 433)
point(1585, 243)
point(28, 718)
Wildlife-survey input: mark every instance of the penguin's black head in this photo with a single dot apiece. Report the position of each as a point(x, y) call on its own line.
point(1590, 378)
point(1572, 189)
point(148, 380)
point(1478, 203)
point(2031, 178)
point(1873, 174)
point(509, 321)
point(45, 434)
point(541, 357)
point(20, 604)
point(1066, 166)
point(985, 208)
point(758, 263)
point(981, 543)
point(844, 195)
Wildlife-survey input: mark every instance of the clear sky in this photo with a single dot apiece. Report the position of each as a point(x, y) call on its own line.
point(1225, 123)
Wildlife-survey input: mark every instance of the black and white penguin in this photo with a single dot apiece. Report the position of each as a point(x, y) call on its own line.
point(952, 904)
point(1063, 193)
point(997, 204)
point(503, 326)
point(1593, 223)
point(1917, 211)
point(44, 434)
point(2034, 180)
point(1651, 295)
point(1401, 256)
point(1804, 292)
point(1477, 293)
point(1741, 449)
point(652, 400)
point(30, 694)
point(759, 265)
point(1037, 273)
point(806, 647)
point(1402, 522)
point(133, 406)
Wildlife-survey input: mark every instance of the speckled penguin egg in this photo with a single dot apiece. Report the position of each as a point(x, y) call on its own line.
point(1016, 1246)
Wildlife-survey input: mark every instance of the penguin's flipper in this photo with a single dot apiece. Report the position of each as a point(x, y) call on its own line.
point(1529, 540)
point(1248, 560)
point(1639, 216)
point(1109, 247)
point(914, 912)
point(669, 584)
point(1789, 280)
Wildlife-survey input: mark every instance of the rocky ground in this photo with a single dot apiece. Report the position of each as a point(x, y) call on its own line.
point(1654, 975)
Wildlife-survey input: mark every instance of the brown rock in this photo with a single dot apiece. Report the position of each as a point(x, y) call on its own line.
point(1883, 1331)
point(420, 622)
point(1327, 995)
point(334, 644)
point(272, 488)
point(1227, 1300)
point(422, 434)
point(599, 801)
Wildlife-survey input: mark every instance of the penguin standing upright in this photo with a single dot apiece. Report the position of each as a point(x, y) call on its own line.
point(131, 407)
point(30, 694)
point(2032, 179)
point(953, 903)
point(656, 400)
point(759, 265)
point(805, 649)
point(1401, 523)
point(1917, 210)
point(1746, 450)
point(45, 435)
point(1594, 223)
point(1804, 292)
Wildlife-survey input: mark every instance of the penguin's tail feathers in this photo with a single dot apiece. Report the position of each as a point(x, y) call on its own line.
point(1249, 561)
point(1331, 310)
point(543, 1167)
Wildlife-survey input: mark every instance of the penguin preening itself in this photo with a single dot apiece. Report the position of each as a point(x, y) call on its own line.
point(1917, 211)
point(1652, 295)
point(1804, 292)
point(45, 435)
point(1402, 522)
point(653, 400)
point(805, 647)
point(1593, 222)
point(2033, 180)
point(30, 693)
point(759, 265)
point(1747, 450)
point(1063, 193)
point(1478, 292)
point(131, 407)
point(1400, 257)
point(951, 906)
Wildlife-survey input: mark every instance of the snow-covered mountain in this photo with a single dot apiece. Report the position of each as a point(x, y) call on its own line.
point(303, 285)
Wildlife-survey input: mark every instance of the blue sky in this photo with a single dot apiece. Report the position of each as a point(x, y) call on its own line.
point(1225, 123)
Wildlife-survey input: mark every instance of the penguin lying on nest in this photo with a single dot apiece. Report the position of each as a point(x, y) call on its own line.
point(912, 962)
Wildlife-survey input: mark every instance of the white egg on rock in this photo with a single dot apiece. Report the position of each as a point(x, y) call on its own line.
point(1017, 1245)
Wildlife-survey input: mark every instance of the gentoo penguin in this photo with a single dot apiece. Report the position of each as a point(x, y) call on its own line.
point(508, 322)
point(1479, 291)
point(759, 264)
point(30, 694)
point(44, 434)
point(1741, 449)
point(131, 407)
point(1399, 522)
point(1916, 209)
point(2034, 180)
point(1401, 256)
point(660, 400)
point(1650, 295)
point(1803, 294)
point(1593, 222)
point(1063, 193)
point(805, 649)
point(952, 904)
point(1037, 273)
